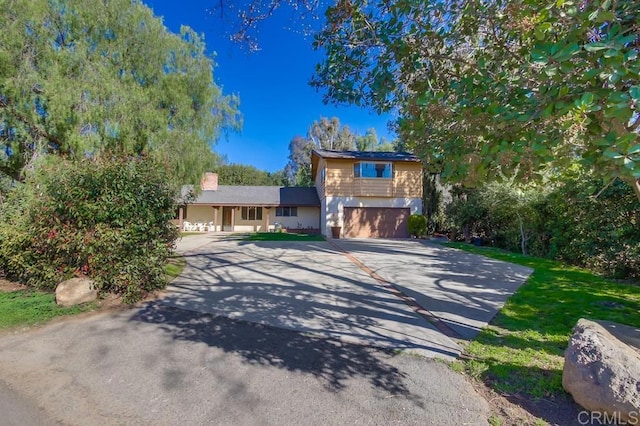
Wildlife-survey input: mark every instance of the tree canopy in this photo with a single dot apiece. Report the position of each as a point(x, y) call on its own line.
point(495, 89)
point(328, 133)
point(83, 78)
point(240, 174)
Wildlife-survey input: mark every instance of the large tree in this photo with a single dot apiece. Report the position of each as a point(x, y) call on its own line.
point(495, 89)
point(241, 174)
point(83, 78)
point(326, 133)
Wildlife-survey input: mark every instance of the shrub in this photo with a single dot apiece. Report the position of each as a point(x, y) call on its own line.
point(563, 220)
point(108, 219)
point(417, 225)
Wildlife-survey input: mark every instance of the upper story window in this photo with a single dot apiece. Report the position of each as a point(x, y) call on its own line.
point(252, 213)
point(286, 211)
point(373, 170)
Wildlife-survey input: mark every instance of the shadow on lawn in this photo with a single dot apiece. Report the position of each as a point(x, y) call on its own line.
point(329, 360)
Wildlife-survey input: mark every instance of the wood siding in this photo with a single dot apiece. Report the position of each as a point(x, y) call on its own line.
point(340, 182)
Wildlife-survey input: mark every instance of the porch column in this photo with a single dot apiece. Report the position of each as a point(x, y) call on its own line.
point(215, 219)
point(268, 210)
point(180, 217)
point(233, 218)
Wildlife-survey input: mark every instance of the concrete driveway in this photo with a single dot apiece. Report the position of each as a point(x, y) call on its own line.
point(314, 287)
point(463, 290)
point(304, 286)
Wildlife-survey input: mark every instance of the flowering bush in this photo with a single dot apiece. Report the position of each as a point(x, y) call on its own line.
point(108, 219)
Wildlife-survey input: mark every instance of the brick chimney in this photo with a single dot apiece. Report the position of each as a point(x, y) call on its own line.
point(209, 182)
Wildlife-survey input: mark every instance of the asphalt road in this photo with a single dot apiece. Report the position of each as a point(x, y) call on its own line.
point(164, 366)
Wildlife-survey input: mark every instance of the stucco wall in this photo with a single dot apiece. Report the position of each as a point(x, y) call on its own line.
point(201, 214)
point(308, 217)
point(335, 207)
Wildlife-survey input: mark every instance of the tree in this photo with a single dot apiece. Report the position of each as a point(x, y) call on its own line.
point(240, 174)
point(324, 134)
point(329, 134)
point(367, 142)
point(370, 142)
point(498, 89)
point(298, 169)
point(87, 78)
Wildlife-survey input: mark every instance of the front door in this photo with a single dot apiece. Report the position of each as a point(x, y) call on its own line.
point(226, 218)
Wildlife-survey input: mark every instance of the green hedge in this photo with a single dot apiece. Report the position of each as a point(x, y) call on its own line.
point(577, 219)
point(107, 219)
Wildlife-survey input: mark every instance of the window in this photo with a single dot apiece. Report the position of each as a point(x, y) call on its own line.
point(373, 170)
point(252, 213)
point(286, 211)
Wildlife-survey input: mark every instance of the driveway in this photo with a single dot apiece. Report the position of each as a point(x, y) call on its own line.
point(463, 290)
point(304, 286)
point(314, 287)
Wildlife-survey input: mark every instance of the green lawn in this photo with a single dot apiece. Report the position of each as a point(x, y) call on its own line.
point(283, 236)
point(174, 267)
point(522, 350)
point(26, 307)
point(187, 233)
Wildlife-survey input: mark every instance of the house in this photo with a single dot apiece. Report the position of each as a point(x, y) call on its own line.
point(367, 194)
point(251, 208)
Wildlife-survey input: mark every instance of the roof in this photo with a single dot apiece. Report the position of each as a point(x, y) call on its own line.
point(366, 155)
point(233, 195)
point(359, 155)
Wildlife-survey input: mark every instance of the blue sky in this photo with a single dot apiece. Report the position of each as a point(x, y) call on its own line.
point(275, 99)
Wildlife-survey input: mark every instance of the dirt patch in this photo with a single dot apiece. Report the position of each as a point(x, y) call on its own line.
point(516, 410)
point(9, 286)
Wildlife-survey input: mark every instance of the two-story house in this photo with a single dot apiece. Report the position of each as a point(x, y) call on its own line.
point(367, 194)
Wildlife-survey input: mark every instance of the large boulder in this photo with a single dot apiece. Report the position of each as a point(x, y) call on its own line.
point(602, 368)
point(76, 291)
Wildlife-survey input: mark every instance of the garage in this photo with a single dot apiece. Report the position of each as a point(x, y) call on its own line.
point(375, 222)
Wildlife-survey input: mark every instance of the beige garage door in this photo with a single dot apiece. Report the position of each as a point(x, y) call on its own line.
point(374, 222)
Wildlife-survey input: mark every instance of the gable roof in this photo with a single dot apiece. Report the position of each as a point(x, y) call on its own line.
point(236, 195)
point(316, 154)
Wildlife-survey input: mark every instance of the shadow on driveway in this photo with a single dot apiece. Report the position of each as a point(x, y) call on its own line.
point(465, 291)
point(331, 361)
point(307, 287)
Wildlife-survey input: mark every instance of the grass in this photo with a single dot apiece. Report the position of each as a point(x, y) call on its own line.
point(174, 267)
point(283, 236)
point(522, 350)
point(187, 233)
point(26, 308)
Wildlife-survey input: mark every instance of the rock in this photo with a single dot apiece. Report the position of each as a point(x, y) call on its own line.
point(76, 291)
point(602, 368)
